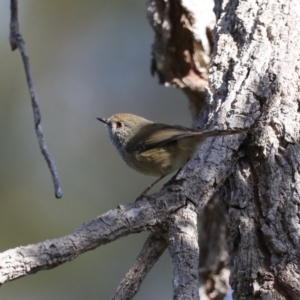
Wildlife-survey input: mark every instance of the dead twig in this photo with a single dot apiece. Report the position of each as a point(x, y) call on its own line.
point(16, 41)
point(151, 252)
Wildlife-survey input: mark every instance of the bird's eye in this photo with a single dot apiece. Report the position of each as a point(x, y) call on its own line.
point(119, 125)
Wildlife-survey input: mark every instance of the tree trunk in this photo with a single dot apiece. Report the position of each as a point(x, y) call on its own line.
point(256, 65)
point(263, 190)
point(182, 51)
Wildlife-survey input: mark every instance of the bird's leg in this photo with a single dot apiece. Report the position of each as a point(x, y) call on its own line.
point(155, 182)
point(173, 177)
point(150, 186)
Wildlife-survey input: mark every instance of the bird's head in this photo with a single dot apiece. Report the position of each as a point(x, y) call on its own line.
point(122, 127)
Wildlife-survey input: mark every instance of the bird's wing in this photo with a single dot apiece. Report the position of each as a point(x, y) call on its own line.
point(157, 135)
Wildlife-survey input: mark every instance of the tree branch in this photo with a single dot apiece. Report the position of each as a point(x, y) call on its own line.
point(184, 250)
point(151, 252)
point(123, 220)
point(16, 41)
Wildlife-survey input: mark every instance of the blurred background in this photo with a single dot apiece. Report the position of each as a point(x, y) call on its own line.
point(89, 59)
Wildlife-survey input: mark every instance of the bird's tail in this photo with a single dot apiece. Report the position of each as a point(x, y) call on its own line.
point(209, 133)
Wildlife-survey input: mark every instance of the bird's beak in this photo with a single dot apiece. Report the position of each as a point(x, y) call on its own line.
point(102, 120)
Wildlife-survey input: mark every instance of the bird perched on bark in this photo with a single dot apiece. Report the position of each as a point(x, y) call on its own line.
point(155, 149)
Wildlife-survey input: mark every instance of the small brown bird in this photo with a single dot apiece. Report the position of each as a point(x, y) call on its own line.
point(155, 149)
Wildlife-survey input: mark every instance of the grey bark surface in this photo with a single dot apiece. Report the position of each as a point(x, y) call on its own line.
point(260, 65)
point(170, 20)
point(184, 251)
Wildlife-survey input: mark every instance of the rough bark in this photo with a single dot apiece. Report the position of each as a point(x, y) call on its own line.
point(255, 71)
point(182, 48)
point(170, 21)
point(259, 68)
point(184, 251)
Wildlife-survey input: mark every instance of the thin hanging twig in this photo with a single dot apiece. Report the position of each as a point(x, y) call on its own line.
point(16, 41)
